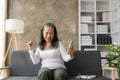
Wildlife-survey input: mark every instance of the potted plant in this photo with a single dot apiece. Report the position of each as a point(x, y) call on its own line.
point(113, 57)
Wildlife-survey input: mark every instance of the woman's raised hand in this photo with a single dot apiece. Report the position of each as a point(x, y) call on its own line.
point(70, 51)
point(30, 45)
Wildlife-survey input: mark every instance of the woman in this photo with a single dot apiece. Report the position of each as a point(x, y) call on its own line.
point(51, 53)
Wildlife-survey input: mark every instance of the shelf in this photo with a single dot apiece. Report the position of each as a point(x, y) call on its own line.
point(88, 11)
point(100, 24)
point(102, 45)
point(103, 22)
point(88, 0)
point(88, 33)
point(88, 22)
point(102, 11)
point(102, 0)
point(104, 33)
point(94, 15)
point(88, 45)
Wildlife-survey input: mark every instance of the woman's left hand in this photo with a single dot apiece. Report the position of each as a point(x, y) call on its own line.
point(70, 51)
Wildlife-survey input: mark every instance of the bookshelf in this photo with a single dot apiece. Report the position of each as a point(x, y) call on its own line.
point(95, 26)
point(115, 21)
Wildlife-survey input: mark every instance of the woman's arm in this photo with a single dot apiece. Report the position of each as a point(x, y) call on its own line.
point(35, 56)
point(66, 55)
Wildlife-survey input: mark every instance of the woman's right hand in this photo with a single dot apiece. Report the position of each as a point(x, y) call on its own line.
point(30, 45)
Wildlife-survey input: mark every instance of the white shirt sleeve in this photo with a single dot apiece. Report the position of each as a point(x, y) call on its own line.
point(66, 57)
point(35, 56)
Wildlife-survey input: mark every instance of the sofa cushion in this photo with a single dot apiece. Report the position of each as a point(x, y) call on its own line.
point(21, 64)
point(85, 63)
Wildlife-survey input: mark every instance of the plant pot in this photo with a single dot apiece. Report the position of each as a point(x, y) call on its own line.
point(118, 71)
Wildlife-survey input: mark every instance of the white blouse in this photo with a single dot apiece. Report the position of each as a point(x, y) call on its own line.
point(52, 59)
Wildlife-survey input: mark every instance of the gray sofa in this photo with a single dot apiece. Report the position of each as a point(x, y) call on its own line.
point(84, 63)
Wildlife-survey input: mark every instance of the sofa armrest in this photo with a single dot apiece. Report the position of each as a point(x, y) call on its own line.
point(112, 69)
point(7, 68)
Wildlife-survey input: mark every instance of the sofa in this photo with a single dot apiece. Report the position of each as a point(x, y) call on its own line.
point(83, 63)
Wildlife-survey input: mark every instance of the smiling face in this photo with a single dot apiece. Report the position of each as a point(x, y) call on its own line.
point(48, 36)
point(48, 33)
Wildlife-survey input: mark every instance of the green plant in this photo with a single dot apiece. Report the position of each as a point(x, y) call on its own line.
point(113, 57)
